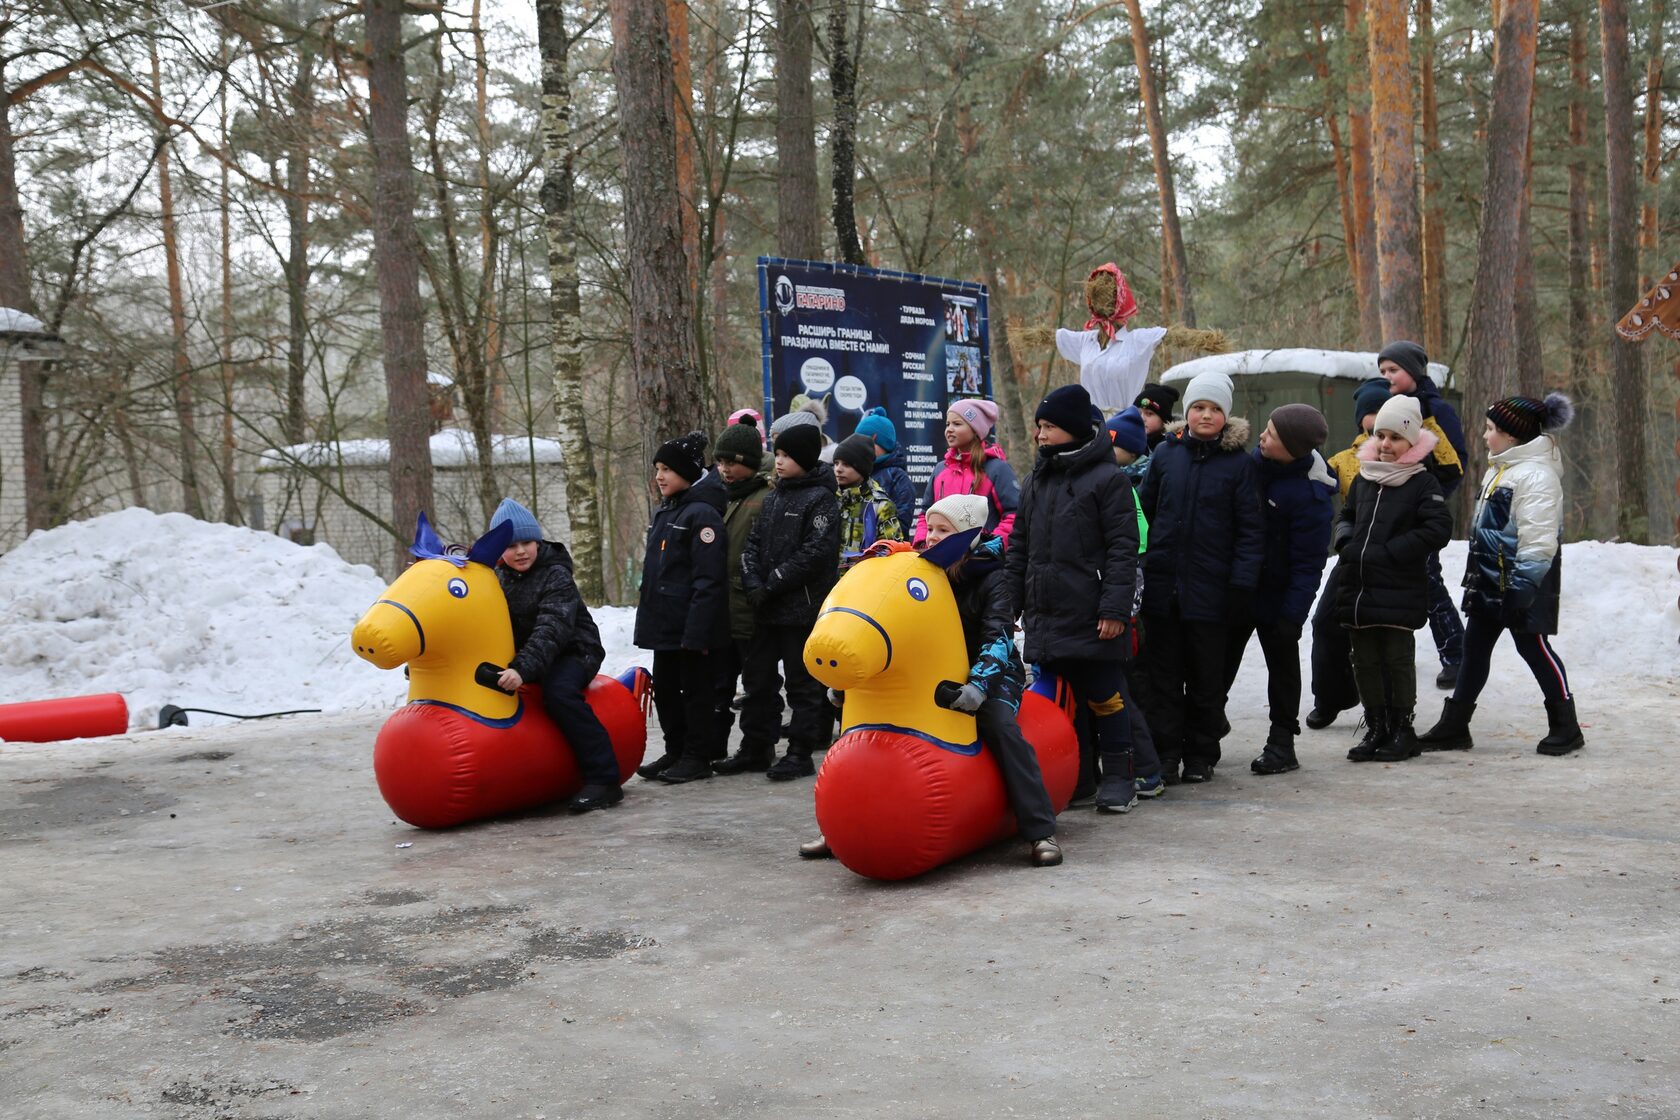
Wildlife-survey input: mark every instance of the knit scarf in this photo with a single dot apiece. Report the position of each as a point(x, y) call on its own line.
point(1397, 472)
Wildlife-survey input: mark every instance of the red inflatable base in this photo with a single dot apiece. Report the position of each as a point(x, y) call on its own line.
point(893, 806)
point(438, 767)
point(74, 717)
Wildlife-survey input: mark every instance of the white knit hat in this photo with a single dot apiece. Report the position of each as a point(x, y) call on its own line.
point(1210, 386)
point(965, 511)
point(1402, 416)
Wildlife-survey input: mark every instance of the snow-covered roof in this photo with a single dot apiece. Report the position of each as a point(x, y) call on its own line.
point(14, 321)
point(1353, 365)
point(452, 447)
point(437, 378)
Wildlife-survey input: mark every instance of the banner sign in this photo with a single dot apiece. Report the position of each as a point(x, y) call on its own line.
point(856, 338)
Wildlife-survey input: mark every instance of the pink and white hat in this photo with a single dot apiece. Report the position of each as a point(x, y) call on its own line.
point(981, 415)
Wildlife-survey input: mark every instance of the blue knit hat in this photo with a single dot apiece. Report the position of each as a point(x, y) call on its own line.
point(1126, 429)
point(879, 428)
point(524, 522)
point(1369, 398)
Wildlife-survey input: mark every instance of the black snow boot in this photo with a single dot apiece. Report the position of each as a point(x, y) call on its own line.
point(688, 768)
point(796, 763)
point(1565, 733)
point(1401, 742)
point(1118, 792)
point(1278, 756)
point(659, 765)
point(1452, 731)
point(1376, 730)
point(746, 760)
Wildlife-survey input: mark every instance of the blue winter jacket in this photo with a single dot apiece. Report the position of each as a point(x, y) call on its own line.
point(895, 480)
point(1202, 499)
point(1514, 574)
point(1298, 505)
point(1446, 417)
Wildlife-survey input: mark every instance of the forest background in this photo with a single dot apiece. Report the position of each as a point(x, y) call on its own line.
point(259, 225)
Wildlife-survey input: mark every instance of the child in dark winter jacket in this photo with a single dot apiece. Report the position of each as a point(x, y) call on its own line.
point(1296, 489)
point(973, 465)
point(1126, 431)
point(1514, 577)
point(867, 513)
point(1155, 404)
point(1333, 690)
point(557, 647)
point(889, 471)
point(1405, 366)
point(683, 613)
point(739, 456)
point(1201, 497)
point(789, 566)
point(1395, 516)
point(1072, 565)
point(993, 689)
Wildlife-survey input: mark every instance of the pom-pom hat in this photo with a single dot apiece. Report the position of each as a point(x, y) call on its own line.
point(1524, 417)
point(878, 427)
point(741, 443)
point(686, 455)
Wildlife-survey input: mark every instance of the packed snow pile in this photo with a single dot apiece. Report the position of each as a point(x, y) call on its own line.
point(451, 447)
point(168, 610)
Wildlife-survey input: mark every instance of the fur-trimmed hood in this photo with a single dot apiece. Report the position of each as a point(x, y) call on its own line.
point(1233, 438)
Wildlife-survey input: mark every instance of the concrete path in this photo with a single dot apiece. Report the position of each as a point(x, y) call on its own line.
point(228, 923)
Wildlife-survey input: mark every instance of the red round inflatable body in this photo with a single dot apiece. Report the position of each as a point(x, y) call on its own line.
point(893, 805)
point(74, 717)
point(438, 766)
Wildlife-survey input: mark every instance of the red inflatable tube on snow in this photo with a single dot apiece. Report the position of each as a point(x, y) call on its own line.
point(894, 805)
point(74, 717)
point(438, 766)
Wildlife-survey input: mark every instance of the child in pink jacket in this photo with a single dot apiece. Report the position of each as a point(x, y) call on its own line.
point(973, 465)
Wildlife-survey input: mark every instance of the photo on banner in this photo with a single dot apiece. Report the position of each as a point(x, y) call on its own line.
point(858, 338)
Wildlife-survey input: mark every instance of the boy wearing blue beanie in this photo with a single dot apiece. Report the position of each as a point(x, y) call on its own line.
point(889, 464)
point(557, 646)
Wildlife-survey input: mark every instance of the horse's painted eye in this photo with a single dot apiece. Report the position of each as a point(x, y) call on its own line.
point(918, 590)
point(458, 588)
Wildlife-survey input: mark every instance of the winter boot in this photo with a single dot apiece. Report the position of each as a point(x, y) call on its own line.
point(1322, 716)
point(659, 765)
point(1447, 678)
point(1452, 731)
point(1401, 742)
point(747, 759)
point(1118, 792)
point(1376, 730)
point(1565, 733)
point(688, 768)
point(1278, 756)
point(796, 763)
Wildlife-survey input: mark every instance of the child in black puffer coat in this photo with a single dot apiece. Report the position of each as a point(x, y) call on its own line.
point(1394, 517)
point(1206, 536)
point(683, 613)
point(557, 646)
point(790, 564)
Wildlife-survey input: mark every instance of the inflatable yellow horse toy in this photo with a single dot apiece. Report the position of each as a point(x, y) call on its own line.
point(908, 786)
point(462, 749)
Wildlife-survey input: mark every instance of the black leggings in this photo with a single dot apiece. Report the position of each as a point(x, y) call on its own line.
point(1480, 634)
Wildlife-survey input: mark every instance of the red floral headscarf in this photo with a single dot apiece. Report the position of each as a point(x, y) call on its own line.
point(1125, 305)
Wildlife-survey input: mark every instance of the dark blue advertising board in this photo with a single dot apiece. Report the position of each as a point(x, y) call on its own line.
point(855, 338)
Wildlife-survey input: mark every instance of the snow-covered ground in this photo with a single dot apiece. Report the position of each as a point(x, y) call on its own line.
point(168, 610)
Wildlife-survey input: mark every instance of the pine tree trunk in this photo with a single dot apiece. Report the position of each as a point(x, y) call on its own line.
point(662, 347)
point(842, 81)
point(186, 423)
point(682, 113)
point(1400, 276)
point(565, 316)
point(1435, 309)
point(1621, 291)
point(1492, 366)
point(396, 252)
point(798, 224)
point(1587, 464)
point(1338, 151)
point(297, 271)
point(1366, 284)
point(1171, 235)
point(1653, 148)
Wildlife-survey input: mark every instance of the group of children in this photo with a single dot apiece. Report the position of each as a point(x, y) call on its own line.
point(1140, 556)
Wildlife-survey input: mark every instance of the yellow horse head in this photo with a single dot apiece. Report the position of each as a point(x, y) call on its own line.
point(887, 635)
point(443, 617)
